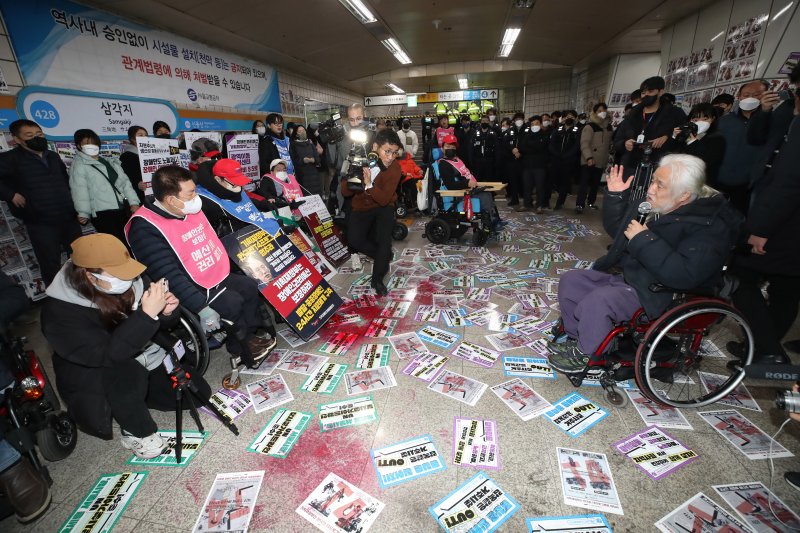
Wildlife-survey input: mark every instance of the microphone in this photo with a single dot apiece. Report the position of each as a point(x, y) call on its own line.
point(644, 210)
point(773, 372)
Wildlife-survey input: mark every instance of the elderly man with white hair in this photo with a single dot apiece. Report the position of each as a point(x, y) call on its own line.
point(683, 245)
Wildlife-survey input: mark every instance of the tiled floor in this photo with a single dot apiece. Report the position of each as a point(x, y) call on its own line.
point(170, 498)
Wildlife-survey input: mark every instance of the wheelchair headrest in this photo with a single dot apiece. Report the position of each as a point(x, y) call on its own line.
point(437, 154)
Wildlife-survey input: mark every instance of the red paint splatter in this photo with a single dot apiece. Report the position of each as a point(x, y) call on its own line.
point(191, 484)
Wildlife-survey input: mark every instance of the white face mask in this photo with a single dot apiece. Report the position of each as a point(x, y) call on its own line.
point(702, 126)
point(582, 121)
point(602, 115)
point(546, 123)
point(118, 286)
point(535, 129)
point(261, 130)
point(492, 117)
point(518, 123)
point(504, 128)
point(282, 175)
point(91, 150)
point(748, 104)
point(192, 206)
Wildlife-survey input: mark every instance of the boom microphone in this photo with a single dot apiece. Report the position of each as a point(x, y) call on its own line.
point(773, 372)
point(644, 210)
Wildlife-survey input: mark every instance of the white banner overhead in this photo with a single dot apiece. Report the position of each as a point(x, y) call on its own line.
point(392, 99)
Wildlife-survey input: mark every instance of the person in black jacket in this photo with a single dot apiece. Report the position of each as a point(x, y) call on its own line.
point(534, 144)
point(708, 144)
point(35, 183)
point(650, 122)
point(464, 136)
point(306, 161)
point(274, 145)
point(683, 245)
point(483, 151)
point(113, 369)
point(129, 159)
point(510, 157)
point(772, 224)
point(565, 152)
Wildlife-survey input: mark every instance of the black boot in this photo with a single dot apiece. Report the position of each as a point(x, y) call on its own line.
point(26, 489)
point(379, 287)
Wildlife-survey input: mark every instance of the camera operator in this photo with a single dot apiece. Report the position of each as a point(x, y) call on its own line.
point(355, 121)
point(369, 229)
point(700, 138)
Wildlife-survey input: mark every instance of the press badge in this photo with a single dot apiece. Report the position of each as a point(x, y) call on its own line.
point(640, 139)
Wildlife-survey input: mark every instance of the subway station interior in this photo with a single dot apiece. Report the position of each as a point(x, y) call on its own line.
point(361, 265)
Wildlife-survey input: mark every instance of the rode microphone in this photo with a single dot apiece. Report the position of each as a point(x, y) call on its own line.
point(644, 210)
point(773, 372)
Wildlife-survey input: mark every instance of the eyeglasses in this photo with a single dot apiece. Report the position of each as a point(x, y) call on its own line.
point(393, 153)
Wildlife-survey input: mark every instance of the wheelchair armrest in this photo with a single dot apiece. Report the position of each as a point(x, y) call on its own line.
point(478, 190)
point(712, 292)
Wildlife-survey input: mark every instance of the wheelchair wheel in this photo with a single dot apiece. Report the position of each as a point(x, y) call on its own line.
point(399, 231)
point(616, 397)
point(438, 231)
point(194, 339)
point(682, 359)
point(401, 211)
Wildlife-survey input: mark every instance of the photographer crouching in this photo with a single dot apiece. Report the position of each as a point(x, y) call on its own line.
point(369, 229)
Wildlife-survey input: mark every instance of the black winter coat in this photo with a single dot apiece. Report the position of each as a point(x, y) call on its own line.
point(775, 213)
point(44, 183)
point(666, 119)
point(535, 148)
point(711, 149)
point(307, 174)
point(79, 359)
point(130, 164)
point(565, 145)
point(685, 249)
point(267, 152)
point(220, 220)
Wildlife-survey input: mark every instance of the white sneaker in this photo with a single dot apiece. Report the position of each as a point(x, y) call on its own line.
point(144, 448)
point(355, 262)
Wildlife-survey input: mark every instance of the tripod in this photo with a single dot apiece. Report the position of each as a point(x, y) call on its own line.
point(182, 383)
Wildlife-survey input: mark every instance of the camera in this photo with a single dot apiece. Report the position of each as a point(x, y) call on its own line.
point(788, 401)
point(359, 159)
point(690, 128)
point(331, 131)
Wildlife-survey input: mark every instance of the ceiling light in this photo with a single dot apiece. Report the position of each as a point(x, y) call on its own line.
point(509, 38)
point(359, 10)
point(395, 88)
point(781, 12)
point(463, 83)
point(717, 36)
point(394, 47)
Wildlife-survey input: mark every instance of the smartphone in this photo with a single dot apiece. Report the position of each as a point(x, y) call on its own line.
point(784, 95)
point(165, 282)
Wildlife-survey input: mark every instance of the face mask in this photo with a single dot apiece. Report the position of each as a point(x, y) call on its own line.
point(602, 115)
point(647, 101)
point(163, 136)
point(37, 144)
point(406, 127)
point(118, 286)
point(192, 206)
point(749, 104)
point(569, 123)
point(261, 130)
point(535, 129)
point(465, 125)
point(504, 128)
point(519, 123)
point(546, 123)
point(702, 126)
point(484, 126)
point(450, 153)
point(90, 149)
point(583, 121)
point(492, 117)
point(302, 136)
point(282, 175)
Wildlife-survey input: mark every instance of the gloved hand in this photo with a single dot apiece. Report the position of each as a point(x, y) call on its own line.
point(209, 319)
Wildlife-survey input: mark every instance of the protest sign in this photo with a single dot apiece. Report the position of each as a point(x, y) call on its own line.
point(528, 367)
point(408, 345)
point(406, 461)
point(655, 414)
point(338, 343)
point(268, 393)
point(362, 381)
point(425, 366)
point(439, 337)
point(190, 444)
point(243, 147)
point(302, 363)
point(573, 414)
point(105, 503)
point(155, 153)
point(326, 234)
point(458, 387)
point(655, 452)
point(326, 379)
point(478, 504)
point(286, 278)
point(231, 403)
point(347, 413)
point(521, 399)
point(476, 354)
point(373, 356)
point(281, 433)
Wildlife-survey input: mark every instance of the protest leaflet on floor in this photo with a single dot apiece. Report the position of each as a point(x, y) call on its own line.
point(353, 412)
point(280, 434)
point(521, 398)
point(478, 502)
point(744, 435)
point(105, 503)
point(588, 523)
point(190, 444)
point(573, 414)
point(476, 443)
point(406, 461)
point(759, 507)
point(269, 392)
point(700, 508)
point(586, 480)
point(230, 502)
point(655, 414)
point(465, 390)
point(336, 506)
point(655, 452)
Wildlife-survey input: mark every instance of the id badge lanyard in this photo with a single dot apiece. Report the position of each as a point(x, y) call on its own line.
point(645, 122)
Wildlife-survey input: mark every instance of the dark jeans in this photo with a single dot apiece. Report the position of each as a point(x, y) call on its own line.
point(563, 174)
point(769, 321)
point(535, 177)
point(370, 232)
point(48, 241)
point(112, 222)
point(512, 174)
point(590, 179)
point(238, 303)
point(131, 391)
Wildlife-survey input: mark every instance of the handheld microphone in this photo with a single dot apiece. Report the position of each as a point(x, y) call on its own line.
point(644, 210)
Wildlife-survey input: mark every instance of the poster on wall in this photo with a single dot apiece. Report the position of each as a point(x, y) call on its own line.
point(742, 44)
point(51, 39)
point(155, 153)
point(17, 259)
point(243, 147)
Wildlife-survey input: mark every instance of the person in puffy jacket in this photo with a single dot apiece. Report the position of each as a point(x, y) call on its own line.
point(101, 191)
point(595, 147)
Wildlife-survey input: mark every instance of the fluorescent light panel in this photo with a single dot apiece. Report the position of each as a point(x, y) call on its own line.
point(395, 88)
point(359, 10)
point(394, 47)
point(463, 83)
point(509, 38)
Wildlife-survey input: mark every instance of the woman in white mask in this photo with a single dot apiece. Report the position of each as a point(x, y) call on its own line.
point(101, 320)
point(101, 191)
point(705, 143)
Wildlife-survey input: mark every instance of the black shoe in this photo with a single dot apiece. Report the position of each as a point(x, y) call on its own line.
point(578, 209)
point(793, 479)
point(379, 288)
point(593, 206)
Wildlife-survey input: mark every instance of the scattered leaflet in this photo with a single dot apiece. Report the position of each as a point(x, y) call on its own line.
point(190, 445)
point(458, 387)
point(655, 452)
point(362, 381)
point(475, 443)
point(406, 461)
point(476, 354)
point(528, 367)
point(573, 414)
point(353, 412)
point(281, 433)
point(373, 356)
point(326, 379)
point(336, 506)
point(105, 503)
point(479, 504)
point(231, 403)
point(425, 366)
point(438, 337)
point(269, 392)
point(655, 414)
point(521, 398)
point(588, 523)
point(744, 435)
point(586, 481)
point(230, 502)
point(408, 345)
point(701, 514)
point(756, 504)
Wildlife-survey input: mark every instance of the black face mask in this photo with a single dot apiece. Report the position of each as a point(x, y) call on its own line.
point(450, 153)
point(465, 125)
point(647, 101)
point(484, 126)
point(37, 144)
point(569, 123)
point(163, 136)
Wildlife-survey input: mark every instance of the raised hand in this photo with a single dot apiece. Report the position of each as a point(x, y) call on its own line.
point(615, 182)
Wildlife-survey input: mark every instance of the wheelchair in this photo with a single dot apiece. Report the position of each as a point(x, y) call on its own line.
point(672, 357)
point(453, 216)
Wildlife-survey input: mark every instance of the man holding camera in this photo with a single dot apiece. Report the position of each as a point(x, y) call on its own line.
point(369, 228)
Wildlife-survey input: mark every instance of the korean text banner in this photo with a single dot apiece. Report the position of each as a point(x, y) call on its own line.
point(63, 44)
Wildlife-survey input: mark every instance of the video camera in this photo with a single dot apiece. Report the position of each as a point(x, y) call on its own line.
point(690, 128)
point(332, 130)
point(352, 169)
point(789, 400)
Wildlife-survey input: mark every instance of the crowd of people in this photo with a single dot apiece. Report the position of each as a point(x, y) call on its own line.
point(726, 173)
